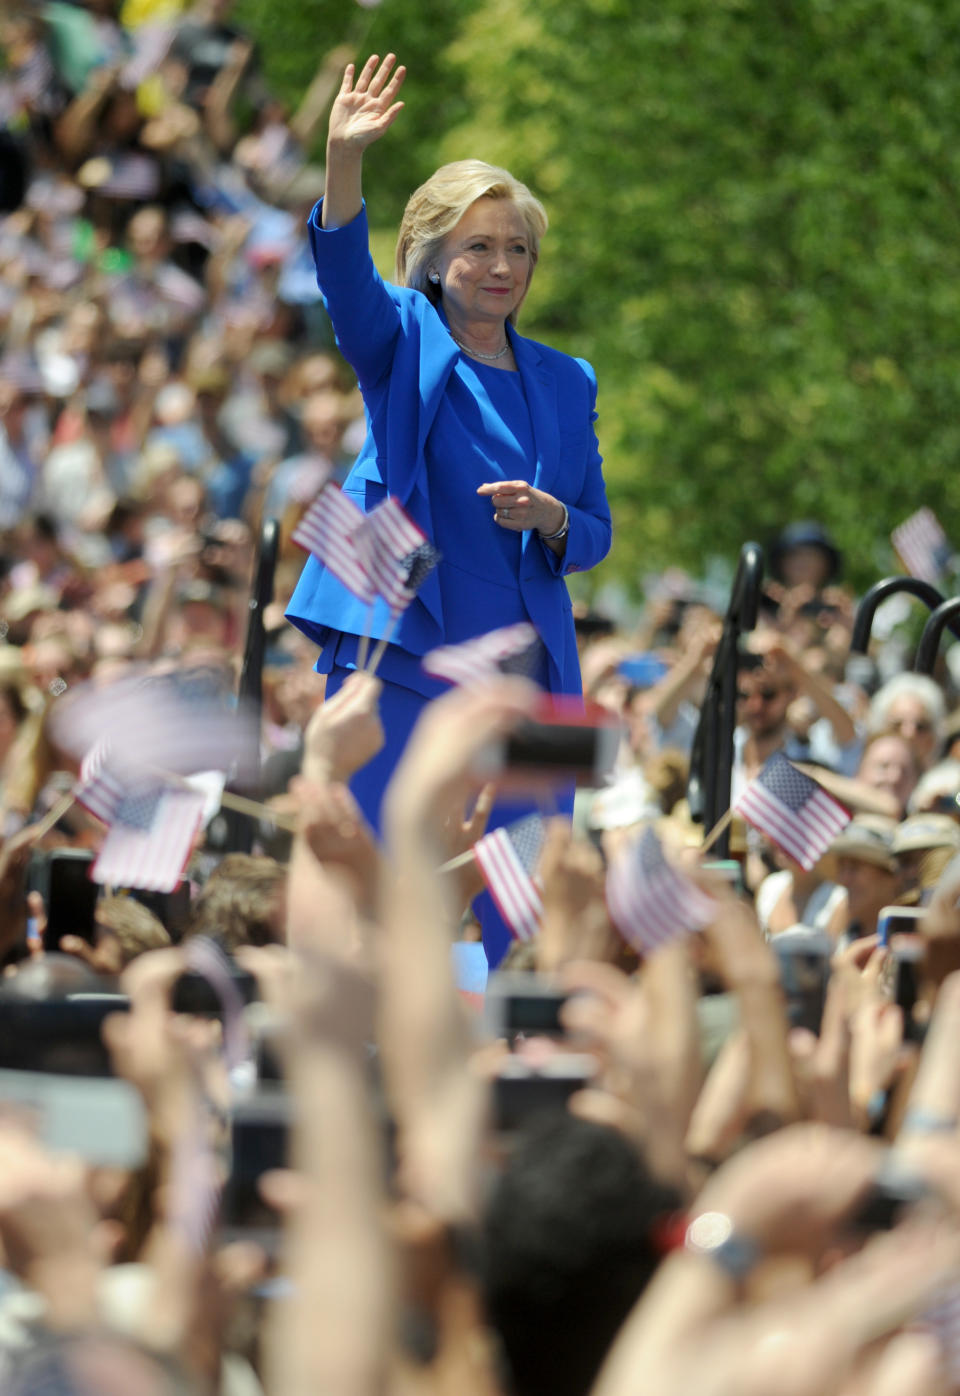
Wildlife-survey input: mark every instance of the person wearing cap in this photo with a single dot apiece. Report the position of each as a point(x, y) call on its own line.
point(923, 845)
point(866, 867)
point(804, 554)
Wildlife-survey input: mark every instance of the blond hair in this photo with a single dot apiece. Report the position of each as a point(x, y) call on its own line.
point(436, 208)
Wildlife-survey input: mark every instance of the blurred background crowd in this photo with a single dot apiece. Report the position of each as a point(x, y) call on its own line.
point(168, 382)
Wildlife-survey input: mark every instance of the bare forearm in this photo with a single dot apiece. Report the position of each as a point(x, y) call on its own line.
point(421, 1020)
point(343, 188)
point(331, 1335)
point(764, 1019)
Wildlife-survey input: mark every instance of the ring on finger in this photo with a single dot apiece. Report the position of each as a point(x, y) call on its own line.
point(505, 513)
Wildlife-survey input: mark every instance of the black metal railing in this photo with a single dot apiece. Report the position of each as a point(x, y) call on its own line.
point(711, 760)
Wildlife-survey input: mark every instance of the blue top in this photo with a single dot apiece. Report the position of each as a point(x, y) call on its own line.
point(438, 425)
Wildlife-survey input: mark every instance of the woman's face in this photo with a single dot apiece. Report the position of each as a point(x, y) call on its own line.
point(909, 718)
point(486, 263)
point(889, 764)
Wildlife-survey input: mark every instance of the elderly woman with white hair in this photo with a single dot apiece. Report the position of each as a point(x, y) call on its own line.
point(913, 706)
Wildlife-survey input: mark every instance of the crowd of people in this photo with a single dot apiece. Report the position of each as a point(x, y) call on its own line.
point(285, 1130)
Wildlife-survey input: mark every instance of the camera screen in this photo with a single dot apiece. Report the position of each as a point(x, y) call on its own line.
point(533, 1013)
point(553, 746)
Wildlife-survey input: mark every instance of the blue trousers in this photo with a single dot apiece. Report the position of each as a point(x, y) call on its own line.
point(399, 709)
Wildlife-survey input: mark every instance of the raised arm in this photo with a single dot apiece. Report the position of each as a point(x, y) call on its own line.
point(362, 111)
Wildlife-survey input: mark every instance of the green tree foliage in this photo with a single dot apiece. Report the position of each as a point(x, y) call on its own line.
point(754, 238)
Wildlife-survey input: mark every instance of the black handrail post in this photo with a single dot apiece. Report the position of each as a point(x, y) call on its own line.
point(880, 591)
point(239, 827)
point(712, 758)
point(947, 613)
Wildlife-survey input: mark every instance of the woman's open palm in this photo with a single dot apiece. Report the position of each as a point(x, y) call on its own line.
point(365, 108)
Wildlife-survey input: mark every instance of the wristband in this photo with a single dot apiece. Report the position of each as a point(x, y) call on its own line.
point(712, 1236)
point(562, 531)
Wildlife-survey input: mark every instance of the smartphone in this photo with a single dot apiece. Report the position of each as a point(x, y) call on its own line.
point(522, 1091)
point(62, 877)
point(102, 1120)
point(729, 869)
point(61, 1036)
point(898, 920)
point(193, 992)
point(804, 972)
point(642, 670)
point(544, 751)
point(907, 959)
point(523, 1003)
point(260, 1142)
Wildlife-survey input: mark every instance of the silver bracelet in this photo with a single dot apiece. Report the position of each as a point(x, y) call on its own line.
point(562, 531)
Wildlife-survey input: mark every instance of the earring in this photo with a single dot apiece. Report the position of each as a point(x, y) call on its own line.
point(434, 278)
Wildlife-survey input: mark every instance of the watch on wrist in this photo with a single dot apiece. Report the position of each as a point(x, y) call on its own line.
point(562, 531)
point(712, 1236)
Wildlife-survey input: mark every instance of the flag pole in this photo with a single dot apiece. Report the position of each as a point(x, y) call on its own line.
point(461, 861)
point(364, 645)
point(382, 644)
point(717, 830)
point(256, 810)
point(53, 816)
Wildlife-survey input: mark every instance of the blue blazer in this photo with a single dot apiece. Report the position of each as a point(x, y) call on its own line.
point(398, 344)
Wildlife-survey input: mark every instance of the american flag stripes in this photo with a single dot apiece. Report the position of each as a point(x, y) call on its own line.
point(327, 530)
point(922, 546)
point(140, 729)
point(793, 811)
point(943, 1318)
point(651, 902)
point(151, 855)
point(507, 858)
point(385, 539)
point(475, 661)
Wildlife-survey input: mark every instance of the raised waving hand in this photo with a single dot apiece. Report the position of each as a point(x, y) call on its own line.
point(364, 108)
point(366, 105)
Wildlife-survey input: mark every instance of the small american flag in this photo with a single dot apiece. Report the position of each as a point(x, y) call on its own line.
point(651, 902)
point(151, 724)
point(507, 858)
point(327, 530)
point(792, 810)
point(150, 854)
point(922, 546)
point(385, 538)
point(475, 661)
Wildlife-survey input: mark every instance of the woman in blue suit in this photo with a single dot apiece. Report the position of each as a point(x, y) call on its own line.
point(486, 438)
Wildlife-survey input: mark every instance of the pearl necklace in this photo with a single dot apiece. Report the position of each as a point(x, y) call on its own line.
point(476, 354)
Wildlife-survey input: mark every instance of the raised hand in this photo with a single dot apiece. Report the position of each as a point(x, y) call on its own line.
point(366, 105)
